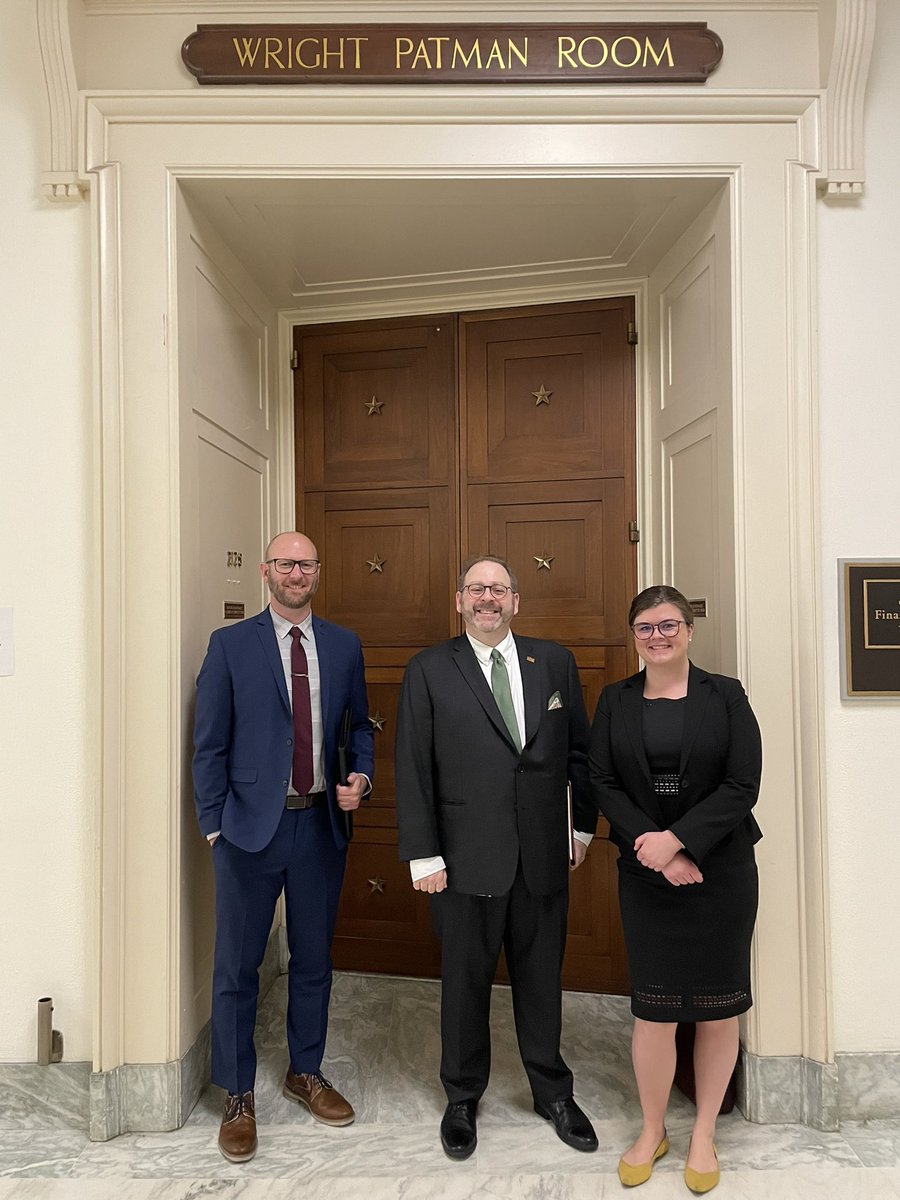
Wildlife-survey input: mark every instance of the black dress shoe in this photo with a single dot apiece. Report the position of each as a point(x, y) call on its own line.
point(458, 1135)
point(570, 1123)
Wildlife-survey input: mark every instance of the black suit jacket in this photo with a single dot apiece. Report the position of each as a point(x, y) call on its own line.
point(721, 763)
point(463, 790)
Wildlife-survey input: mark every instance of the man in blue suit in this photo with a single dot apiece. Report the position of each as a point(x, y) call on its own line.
point(274, 695)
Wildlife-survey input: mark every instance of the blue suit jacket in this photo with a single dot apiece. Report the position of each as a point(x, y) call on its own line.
point(243, 728)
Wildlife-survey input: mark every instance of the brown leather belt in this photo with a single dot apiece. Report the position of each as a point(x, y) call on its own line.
point(308, 801)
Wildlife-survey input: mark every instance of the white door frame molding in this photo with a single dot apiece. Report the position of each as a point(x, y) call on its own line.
point(135, 149)
point(847, 32)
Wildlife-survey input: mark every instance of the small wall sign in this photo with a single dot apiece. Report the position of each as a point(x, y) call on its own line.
point(233, 610)
point(632, 53)
point(870, 620)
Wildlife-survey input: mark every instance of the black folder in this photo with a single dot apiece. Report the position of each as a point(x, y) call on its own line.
point(343, 753)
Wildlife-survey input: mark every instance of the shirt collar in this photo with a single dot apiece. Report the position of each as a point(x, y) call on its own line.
point(483, 652)
point(283, 626)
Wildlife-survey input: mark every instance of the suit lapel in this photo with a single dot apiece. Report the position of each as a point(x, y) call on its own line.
point(470, 668)
point(269, 640)
point(320, 630)
point(632, 699)
point(698, 694)
point(531, 686)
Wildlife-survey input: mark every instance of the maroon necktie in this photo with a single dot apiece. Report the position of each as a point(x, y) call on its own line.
point(302, 777)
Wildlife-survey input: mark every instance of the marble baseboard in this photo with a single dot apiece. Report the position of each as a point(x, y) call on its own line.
point(855, 1087)
point(789, 1090)
point(51, 1097)
point(868, 1085)
point(159, 1097)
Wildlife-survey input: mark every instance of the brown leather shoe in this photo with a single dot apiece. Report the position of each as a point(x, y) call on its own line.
point(324, 1101)
point(237, 1133)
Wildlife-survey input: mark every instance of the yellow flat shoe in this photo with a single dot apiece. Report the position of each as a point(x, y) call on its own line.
point(633, 1176)
point(702, 1181)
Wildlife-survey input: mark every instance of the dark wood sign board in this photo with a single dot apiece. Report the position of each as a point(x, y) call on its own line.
point(870, 618)
point(684, 52)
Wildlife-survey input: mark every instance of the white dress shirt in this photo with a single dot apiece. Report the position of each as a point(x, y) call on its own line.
point(420, 867)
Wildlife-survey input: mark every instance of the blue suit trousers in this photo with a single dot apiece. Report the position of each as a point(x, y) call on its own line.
point(303, 860)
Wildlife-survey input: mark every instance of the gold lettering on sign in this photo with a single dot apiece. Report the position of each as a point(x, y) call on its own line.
point(429, 54)
point(657, 58)
point(245, 56)
point(285, 55)
point(474, 52)
point(626, 52)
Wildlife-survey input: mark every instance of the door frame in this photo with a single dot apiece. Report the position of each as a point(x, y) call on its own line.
point(768, 147)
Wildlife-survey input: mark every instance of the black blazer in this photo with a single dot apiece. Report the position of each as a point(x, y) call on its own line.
point(721, 763)
point(463, 790)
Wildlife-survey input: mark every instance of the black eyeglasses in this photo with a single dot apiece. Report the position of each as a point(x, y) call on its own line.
point(284, 566)
point(644, 631)
point(497, 590)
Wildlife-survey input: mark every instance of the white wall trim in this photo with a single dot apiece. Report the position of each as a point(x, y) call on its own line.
point(61, 181)
point(854, 32)
point(854, 36)
point(806, 610)
point(324, 10)
point(208, 136)
point(110, 850)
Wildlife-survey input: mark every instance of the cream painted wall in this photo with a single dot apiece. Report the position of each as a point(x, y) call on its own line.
point(859, 366)
point(47, 749)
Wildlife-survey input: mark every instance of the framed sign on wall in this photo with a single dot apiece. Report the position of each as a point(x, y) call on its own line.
point(870, 628)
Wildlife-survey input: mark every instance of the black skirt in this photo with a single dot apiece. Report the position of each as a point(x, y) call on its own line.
point(689, 946)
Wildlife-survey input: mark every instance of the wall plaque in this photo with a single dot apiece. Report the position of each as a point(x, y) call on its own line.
point(683, 52)
point(232, 610)
point(870, 620)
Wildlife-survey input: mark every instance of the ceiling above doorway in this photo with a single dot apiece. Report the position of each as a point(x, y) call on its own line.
point(316, 244)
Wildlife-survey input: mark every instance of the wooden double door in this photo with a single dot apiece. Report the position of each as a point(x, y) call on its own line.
point(421, 441)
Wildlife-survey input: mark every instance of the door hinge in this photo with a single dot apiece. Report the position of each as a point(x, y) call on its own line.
point(634, 534)
point(631, 334)
point(295, 360)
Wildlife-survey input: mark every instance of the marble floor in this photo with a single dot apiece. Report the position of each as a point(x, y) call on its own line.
point(383, 1051)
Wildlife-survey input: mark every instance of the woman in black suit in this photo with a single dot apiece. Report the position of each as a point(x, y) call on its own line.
point(676, 761)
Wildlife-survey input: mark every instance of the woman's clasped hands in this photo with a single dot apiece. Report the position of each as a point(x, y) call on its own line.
point(661, 851)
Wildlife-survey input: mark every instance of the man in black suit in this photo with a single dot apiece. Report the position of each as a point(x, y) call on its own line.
point(490, 729)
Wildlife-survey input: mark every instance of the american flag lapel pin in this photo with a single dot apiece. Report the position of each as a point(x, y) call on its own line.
point(528, 658)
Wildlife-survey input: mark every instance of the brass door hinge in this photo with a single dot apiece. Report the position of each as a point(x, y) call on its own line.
point(631, 334)
point(634, 534)
point(295, 360)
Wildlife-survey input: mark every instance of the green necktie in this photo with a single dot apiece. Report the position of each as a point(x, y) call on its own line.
point(503, 696)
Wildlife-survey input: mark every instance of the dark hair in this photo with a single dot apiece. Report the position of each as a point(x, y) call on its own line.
point(478, 558)
point(660, 594)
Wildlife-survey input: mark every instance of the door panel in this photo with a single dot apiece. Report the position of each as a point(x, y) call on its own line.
point(544, 394)
point(565, 540)
point(530, 457)
point(378, 405)
point(388, 562)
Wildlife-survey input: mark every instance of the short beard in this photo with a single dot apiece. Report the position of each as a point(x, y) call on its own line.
point(289, 599)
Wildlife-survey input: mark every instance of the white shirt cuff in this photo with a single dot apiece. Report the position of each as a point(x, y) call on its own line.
point(583, 837)
point(420, 867)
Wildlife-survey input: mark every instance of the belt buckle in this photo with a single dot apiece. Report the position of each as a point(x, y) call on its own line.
point(299, 803)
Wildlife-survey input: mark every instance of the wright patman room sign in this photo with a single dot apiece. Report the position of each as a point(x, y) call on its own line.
point(685, 52)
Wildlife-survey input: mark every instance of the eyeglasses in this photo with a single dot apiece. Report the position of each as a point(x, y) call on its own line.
point(497, 590)
point(284, 566)
point(644, 631)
